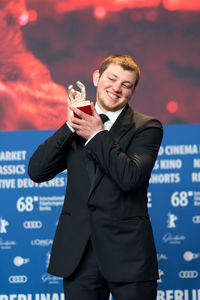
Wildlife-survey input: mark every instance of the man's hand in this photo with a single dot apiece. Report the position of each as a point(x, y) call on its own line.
point(87, 125)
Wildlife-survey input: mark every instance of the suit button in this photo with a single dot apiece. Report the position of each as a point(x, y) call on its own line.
point(88, 151)
point(58, 145)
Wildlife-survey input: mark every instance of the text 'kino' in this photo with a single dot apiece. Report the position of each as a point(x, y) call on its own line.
point(170, 164)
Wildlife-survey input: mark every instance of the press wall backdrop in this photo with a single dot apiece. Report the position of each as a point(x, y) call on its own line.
point(29, 213)
point(48, 45)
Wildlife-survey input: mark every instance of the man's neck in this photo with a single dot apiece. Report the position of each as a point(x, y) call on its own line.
point(112, 115)
point(102, 111)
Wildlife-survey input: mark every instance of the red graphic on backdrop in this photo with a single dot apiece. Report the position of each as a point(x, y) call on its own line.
point(28, 96)
point(53, 43)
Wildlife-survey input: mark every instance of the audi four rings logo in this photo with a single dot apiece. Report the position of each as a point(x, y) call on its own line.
point(196, 219)
point(32, 224)
point(188, 274)
point(18, 279)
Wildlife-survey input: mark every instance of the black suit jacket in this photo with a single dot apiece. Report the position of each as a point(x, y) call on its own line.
point(106, 196)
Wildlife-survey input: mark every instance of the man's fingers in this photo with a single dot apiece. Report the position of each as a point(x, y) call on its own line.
point(76, 121)
point(93, 109)
point(79, 113)
point(94, 112)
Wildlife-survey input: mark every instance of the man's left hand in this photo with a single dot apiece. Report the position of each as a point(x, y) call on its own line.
point(87, 125)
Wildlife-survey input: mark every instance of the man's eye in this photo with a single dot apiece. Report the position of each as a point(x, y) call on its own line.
point(127, 86)
point(112, 79)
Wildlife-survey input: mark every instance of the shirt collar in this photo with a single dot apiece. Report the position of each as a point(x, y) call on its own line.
point(112, 115)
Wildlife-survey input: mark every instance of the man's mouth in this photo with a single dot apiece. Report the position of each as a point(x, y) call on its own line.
point(113, 96)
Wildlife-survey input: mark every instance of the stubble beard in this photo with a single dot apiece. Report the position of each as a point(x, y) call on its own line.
point(104, 106)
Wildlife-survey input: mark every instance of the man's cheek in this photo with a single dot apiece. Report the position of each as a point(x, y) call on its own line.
point(106, 83)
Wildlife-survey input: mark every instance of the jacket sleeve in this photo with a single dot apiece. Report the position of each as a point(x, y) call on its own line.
point(50, 157)
point(131, 168)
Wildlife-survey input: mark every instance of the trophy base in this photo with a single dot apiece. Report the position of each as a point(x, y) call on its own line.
point(86, 109)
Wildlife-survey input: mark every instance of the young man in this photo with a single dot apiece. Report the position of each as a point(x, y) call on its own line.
point(104, 241)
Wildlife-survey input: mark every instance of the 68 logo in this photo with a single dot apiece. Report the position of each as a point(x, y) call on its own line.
point(26, 203)
point(181, 198)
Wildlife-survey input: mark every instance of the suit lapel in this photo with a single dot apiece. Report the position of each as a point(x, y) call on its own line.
point(123, 123)
point(90, 166)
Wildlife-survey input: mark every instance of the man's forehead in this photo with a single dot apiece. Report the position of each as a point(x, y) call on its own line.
point(118, 71)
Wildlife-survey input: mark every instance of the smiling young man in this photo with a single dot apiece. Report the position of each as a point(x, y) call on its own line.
point(104, 241)
point(114, 87)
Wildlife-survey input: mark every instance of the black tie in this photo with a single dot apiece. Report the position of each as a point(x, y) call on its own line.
point(104, 118)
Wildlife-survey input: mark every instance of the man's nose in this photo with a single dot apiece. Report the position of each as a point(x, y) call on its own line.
point(117, 86)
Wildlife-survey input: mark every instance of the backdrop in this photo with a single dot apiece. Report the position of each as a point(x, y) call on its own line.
point(47, 45)
point(29, 214)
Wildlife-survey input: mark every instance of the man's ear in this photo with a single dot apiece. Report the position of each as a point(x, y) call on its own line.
point(96, 76)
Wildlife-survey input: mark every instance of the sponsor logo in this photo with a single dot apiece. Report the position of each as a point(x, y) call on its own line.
point(19, 261)
point(47, 278)
point(169, 238)
point(161, 273)
point(171, 220)
point(47, 258)
point(18, 279)
point(42, 243)
point(149, 203)
point(196, 198)
point(3, 225)
point(6, 244)
point(161, 256)
point(46, 203)
point(32, 224)
point(196, 219)
point(188, 274)
point(188, 255)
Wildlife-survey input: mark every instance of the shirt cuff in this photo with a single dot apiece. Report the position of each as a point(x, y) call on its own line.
point(72, 129)
point(93, 136)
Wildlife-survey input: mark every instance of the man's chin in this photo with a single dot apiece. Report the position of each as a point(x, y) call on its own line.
point(112, 107)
